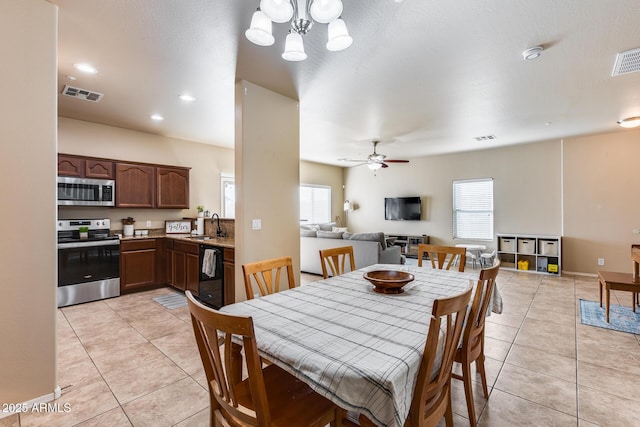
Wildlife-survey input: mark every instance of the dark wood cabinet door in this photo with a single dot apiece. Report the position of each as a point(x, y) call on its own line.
point(229, 267)
point(180, 270)
point(137, 269)
point(169, 260)
point(99, 169)
point(172, 187)
point(193, 274)
point(70, 166)
point(135, 185)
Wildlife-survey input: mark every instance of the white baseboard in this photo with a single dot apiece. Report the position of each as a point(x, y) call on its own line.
point(28, 404)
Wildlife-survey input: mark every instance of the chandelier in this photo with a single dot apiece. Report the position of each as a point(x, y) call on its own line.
point(302, 14)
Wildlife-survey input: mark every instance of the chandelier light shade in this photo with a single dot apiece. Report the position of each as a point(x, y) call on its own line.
point(338, 36)
point(302, 14)
point(277, 10)
point(294, 48)
point(260, 30)
point(325, 11)
point(374, 166)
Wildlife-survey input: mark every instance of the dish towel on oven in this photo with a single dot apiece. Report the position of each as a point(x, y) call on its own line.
point(209, 262)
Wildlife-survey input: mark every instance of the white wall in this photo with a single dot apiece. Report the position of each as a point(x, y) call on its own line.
point(28, 108)
point(267, 159)
point(527, 191)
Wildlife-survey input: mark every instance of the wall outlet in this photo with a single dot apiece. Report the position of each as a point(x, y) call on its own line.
point(256, 224)
point(148, 223)
point(600, 261)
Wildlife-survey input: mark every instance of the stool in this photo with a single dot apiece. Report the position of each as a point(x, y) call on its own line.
point(618, 282)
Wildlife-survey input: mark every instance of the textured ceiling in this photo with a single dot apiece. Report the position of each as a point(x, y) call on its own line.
point(424, 76)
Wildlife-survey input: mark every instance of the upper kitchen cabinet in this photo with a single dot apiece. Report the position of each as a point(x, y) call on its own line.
point(172, 185)
point(135, 185)
point(83, 167)
point(70, 166)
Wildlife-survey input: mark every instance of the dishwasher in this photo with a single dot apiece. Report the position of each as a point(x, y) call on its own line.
point(211, 283)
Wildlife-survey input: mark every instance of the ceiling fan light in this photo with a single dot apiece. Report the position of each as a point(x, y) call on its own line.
point(338, 36)
point(325, 11)
point(630, 122)
point(294, 48)
point(260, 30)
point(277, 10)
point(374, 166)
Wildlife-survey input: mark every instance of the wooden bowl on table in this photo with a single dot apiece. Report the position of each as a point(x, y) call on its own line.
point(388, 281)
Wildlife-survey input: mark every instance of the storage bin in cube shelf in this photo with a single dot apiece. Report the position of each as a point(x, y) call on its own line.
point(548, 247)
point(527, 246)
point(507, 244)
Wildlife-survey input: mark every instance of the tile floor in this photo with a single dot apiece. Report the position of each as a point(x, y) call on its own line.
point(129, 361)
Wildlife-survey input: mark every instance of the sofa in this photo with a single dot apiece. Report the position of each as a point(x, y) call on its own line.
point(368, 248)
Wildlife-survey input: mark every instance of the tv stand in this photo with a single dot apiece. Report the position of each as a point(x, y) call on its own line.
point(408, 243)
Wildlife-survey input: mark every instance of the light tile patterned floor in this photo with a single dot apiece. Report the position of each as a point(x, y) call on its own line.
point(129, 361)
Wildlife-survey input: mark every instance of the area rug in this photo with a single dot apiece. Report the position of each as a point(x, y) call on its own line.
point(172, 300)
point(620, 318)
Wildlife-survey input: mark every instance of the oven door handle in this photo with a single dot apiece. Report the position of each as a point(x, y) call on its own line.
point(70, 245)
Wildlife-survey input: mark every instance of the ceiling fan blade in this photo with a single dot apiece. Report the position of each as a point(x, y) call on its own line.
point(384, 165)
point(353, 160)
point(396, 161)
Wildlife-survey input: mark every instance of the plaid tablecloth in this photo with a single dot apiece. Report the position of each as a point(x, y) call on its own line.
point(358, 348)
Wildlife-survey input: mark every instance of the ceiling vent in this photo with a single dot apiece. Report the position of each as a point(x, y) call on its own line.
point(484, 138)
point(85, 94)
point(626, 62)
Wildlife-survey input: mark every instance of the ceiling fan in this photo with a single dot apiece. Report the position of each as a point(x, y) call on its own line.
point(375, 161)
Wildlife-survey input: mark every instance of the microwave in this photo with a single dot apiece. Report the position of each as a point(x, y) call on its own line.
point(73, 191)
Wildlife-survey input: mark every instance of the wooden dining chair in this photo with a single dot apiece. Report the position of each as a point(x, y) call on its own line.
point(441, 254)
point(472, 347)
point(336, 259)
point(432, 394)
point(266, 275)
point(267, 397)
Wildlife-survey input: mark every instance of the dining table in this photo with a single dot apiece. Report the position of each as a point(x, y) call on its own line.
point(359, 348)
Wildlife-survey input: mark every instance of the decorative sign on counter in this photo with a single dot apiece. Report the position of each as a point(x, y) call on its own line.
point(177, 227)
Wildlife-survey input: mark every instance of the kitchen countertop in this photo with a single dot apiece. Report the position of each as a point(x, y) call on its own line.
point(224, 242)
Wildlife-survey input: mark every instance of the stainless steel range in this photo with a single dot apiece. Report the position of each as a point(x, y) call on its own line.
point(88, 262)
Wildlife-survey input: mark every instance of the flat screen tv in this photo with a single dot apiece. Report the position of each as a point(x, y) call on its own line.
point(402, 208)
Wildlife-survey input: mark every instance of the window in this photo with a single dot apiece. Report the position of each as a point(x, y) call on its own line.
point(473, 209)
point(315, 204)
point(228, 192)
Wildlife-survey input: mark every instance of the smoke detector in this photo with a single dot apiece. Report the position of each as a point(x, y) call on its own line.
point(532, 53)
point(87, 95)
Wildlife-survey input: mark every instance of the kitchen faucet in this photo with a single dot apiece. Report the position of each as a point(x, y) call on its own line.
point(218, 229)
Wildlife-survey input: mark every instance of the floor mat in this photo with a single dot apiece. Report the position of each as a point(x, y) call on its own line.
point(620, 318)
point(172, 300)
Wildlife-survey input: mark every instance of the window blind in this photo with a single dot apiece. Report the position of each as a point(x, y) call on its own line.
point(315, 204)
point(473, 209)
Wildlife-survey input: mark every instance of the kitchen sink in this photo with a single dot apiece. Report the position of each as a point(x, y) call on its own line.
point(200, 237)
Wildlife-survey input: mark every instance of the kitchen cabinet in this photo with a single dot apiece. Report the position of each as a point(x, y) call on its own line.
point(138, 264)
point(84, 167)
point(229, 266)
point(172, 184)
point(185, 265)
point(135, 185)
point(70, 165)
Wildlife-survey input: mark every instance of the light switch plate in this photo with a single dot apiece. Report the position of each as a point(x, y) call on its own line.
point(256, 224)
point(148, 223)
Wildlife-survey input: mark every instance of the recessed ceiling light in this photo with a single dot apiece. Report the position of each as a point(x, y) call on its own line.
point(630, 122)
point(85, 68)
point(532, 53)
point(186, 98)
point(157, 117)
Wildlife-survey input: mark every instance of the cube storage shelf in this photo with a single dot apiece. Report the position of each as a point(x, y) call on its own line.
point(532, 253)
